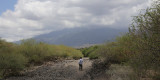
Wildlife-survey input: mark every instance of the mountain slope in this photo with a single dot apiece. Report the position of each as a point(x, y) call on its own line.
point(80, 36)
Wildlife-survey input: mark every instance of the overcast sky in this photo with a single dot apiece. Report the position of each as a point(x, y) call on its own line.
point(28, 18)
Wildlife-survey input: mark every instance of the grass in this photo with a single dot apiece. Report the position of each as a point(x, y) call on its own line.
point(119, 72)
point(125, 72)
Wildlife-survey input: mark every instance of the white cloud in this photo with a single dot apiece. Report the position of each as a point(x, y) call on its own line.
point(34, 17)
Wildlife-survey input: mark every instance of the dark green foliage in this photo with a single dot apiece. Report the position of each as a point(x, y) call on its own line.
point(90, 52)
point(94, 55)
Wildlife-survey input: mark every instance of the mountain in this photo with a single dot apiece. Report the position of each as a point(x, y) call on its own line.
point(80, 36)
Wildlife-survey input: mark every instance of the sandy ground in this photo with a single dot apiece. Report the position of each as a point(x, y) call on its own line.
point(65, 70)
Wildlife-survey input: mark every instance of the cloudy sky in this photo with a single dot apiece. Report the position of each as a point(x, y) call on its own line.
point(20, 19)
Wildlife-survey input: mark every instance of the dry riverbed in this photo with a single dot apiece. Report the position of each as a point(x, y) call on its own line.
point(65, 70)
point(69, 70)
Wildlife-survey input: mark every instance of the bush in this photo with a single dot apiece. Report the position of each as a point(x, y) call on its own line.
point(11, 62)
point(38, 51)
point(113, 53)
point(141, 46)
point(87, 51)
point(68, 52)
point(14, 58)
point(34, 51)
point(146, 30)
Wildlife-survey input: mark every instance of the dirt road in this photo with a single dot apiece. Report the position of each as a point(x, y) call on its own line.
point(65, 70)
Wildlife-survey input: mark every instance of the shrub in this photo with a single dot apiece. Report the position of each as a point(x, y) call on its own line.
point(34, 51)
point(11, 62)
point(38, 51)
point(90, 51)
point(14, 58)
point(146, 30)
point(94, 55)
point(113, 53)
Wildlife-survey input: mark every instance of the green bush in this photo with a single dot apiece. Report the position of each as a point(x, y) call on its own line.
point(68, 52)
point(140, 47)
point(14, 58)
point(146, 30)
point(113, 52)
point(87, 52)
point(93, 55)
point(34, 51)
point(38, 51)
point(11, 62)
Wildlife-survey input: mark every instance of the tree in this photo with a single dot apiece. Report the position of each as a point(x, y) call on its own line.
point(146, 31)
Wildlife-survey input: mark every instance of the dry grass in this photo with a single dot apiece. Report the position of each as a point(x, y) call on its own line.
point(119, 72)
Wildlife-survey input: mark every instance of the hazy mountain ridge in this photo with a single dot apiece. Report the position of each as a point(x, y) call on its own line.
point(80, 36)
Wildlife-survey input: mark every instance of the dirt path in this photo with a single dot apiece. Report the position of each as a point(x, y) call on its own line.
point(65, 70)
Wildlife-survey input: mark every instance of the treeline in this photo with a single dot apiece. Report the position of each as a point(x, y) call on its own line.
point(16, 57)
point(139, 48)
point(90, 52)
